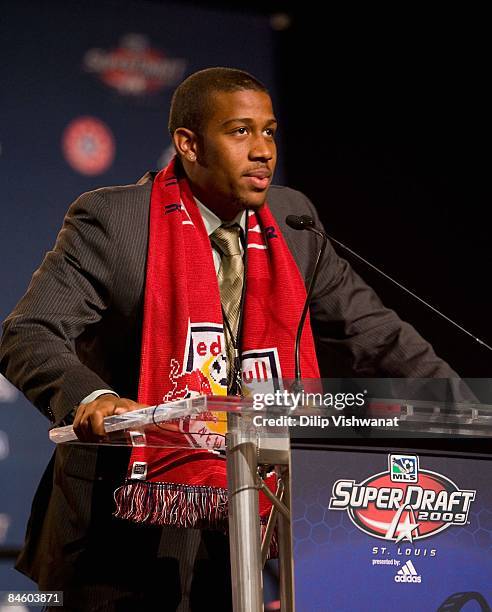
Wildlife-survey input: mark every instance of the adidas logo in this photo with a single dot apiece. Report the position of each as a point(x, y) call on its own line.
point(408, 573)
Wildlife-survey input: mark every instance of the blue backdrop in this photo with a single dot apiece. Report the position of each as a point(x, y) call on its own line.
point(85, 98)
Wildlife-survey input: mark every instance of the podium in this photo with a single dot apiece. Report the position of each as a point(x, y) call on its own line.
point(254, 443)
point(258, 440)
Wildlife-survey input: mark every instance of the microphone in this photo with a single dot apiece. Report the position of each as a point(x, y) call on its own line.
point(305, 222)
point(299, 223)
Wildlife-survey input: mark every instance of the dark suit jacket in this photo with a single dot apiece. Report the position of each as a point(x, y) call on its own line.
point(78, 329)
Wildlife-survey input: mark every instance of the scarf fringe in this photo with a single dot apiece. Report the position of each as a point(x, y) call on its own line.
point(165, 503)
point(186, 506)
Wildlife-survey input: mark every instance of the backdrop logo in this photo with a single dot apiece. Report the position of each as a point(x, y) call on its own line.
point(407, 510)
point(404, 468)
point(4, 526)
point(8, 393)
point(88, 145)
point(4, 445)
point(408, 574)
point(134, 67)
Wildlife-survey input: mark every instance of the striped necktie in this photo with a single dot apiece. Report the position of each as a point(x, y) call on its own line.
point(230, 278)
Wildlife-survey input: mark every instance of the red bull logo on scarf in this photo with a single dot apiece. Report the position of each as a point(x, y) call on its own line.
point(203, 369)
point(261, 371)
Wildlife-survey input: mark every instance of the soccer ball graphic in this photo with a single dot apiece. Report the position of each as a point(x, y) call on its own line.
point(218, 370)
point(408, 465)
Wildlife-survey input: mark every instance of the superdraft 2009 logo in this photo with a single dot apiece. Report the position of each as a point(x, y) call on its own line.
point(134, 66)
point(404, 503)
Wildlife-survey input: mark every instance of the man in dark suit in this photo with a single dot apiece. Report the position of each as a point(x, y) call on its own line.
point(72, 345)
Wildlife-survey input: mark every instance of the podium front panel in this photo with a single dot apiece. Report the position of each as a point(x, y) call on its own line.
point(393, 529)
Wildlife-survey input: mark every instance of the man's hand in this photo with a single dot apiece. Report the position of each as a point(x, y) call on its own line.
point(88, 423)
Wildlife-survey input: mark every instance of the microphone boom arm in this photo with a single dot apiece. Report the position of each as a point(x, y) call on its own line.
point(308, 299)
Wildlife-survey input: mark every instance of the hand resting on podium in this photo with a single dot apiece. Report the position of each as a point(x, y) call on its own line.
point(88, 423)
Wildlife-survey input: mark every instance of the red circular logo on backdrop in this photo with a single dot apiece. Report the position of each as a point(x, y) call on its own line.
point(88, 145)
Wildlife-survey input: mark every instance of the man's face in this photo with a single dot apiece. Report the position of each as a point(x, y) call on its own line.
point(236, 153)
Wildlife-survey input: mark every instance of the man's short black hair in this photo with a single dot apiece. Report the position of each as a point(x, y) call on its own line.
point(190, 105)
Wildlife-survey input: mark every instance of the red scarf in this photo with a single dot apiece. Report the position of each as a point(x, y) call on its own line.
point(183, 352)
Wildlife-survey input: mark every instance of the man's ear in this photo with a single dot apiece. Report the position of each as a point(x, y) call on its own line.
point(186, 144)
